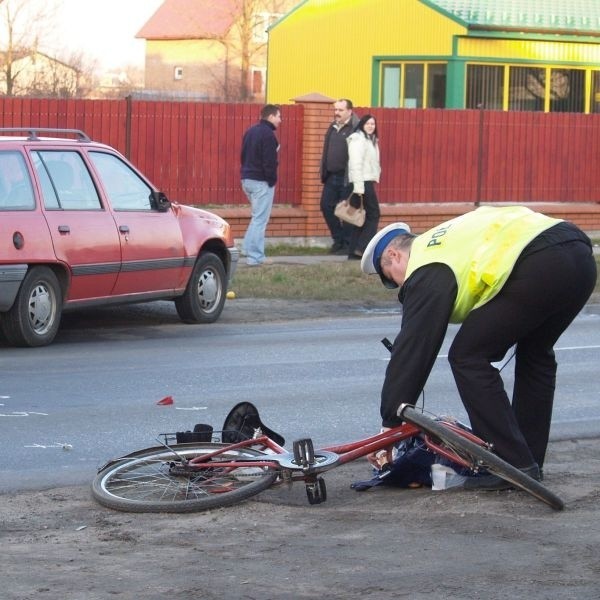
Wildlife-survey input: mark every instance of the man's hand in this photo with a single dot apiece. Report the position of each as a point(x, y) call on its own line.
point(381, 457)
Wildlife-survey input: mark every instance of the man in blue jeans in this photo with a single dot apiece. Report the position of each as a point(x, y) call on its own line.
point(259, 176)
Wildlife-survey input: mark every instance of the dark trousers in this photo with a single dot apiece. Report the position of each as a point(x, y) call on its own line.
point(334, 190)
point(540, 299)
point(361, 236)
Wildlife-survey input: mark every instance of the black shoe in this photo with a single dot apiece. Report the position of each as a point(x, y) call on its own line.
point(493, 483)
point(342, 249)
point(335, 248)
point(353, 256)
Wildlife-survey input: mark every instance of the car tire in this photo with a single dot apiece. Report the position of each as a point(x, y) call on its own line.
point(34, 318)
point(204, 296)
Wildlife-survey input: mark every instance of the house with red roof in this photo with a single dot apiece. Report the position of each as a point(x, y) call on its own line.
point(210, 49)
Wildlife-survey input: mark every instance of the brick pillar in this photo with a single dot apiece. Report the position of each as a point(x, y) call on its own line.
point(318, 115)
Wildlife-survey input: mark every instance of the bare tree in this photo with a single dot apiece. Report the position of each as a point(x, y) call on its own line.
point(85, 69)
point(246, 40)
point(256, 16)
point(247, 47)
point(23, 24)
point(122, 83)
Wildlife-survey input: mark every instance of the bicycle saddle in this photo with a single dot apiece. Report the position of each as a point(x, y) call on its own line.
point(241, 422)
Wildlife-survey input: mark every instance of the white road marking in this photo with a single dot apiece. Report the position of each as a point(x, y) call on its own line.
point(563, 348)
point(23, 414)
point(62, 445)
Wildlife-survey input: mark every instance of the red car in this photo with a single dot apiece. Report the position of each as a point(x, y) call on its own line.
point(81, 227)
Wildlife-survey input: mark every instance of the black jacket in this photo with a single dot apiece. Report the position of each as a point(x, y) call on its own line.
point(337, 138)
point(427, 298)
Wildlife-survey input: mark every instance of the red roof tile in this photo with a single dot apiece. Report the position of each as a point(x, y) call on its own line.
point(190, 19)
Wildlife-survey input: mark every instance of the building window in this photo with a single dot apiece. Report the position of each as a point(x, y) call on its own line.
point(485, 86)
point(567, 90)
point(436, 86)
point(262, 22)
point(178, 73)
point(413, 85)
point(595, 93)
point(527, 88)
point(258, 80)
point(391, 86)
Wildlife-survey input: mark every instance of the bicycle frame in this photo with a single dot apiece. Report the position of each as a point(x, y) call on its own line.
point(332, 456)
point(206, 473)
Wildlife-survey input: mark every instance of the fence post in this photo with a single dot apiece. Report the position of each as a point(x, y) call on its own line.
point(128, 113)
point(480, 157)
point(318, 115)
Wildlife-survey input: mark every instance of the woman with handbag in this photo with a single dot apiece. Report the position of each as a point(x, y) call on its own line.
point(364, 169)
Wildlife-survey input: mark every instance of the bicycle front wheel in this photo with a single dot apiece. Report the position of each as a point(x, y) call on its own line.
point(160, 480)
point(481, 458)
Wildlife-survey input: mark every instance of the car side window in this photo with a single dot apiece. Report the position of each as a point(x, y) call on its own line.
point(65, 180)
point(16, 191)
point(123, 186)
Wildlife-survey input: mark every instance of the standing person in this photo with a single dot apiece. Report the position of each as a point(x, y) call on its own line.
point(259, 176)
point(511, 277)
point(364, 169)
point(334, 172)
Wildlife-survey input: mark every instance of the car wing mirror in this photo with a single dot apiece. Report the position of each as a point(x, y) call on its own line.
point(159, 201)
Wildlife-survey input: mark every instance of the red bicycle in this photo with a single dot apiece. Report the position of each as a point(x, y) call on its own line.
point(194, 471)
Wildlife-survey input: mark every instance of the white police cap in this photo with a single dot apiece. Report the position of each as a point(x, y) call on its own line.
point(371, 258)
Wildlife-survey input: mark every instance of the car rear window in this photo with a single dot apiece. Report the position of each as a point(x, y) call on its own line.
point(65, 180)
point(16, 191)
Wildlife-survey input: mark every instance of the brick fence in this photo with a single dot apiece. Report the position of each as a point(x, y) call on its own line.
point(305, 224)
point(436, 163)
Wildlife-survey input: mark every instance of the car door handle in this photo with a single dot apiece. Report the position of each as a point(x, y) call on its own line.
point(64, 229)
point(123, 228)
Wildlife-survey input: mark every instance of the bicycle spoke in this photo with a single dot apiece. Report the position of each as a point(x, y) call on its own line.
point(159, 482)
point(481, 457)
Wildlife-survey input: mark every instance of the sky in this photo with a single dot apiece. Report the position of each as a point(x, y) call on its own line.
point(104, 29)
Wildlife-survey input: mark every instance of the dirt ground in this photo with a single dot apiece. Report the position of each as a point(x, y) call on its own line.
point(385, 543)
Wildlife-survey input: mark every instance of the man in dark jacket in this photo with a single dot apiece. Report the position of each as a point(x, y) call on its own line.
point(259, 176)
point(334, 172)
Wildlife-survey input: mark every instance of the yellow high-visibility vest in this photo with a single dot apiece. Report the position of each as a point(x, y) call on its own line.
point(481, 248)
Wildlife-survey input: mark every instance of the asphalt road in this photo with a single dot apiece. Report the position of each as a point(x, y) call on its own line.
point(93, 394)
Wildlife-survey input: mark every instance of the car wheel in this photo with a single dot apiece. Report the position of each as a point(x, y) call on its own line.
point(204, 296)
point(34, 317)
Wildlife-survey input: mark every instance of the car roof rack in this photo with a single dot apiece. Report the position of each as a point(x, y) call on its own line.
point(34, 131)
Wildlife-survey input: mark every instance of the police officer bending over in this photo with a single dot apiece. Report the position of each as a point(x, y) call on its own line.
point(510, 276)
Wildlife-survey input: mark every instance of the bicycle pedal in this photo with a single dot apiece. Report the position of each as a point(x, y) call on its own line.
point(316, 491)
point(304, 453)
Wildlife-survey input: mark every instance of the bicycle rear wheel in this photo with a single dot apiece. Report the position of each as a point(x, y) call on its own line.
point(158, 480)
point(481, 458)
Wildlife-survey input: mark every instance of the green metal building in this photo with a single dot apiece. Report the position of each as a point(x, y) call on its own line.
point(532, 55)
